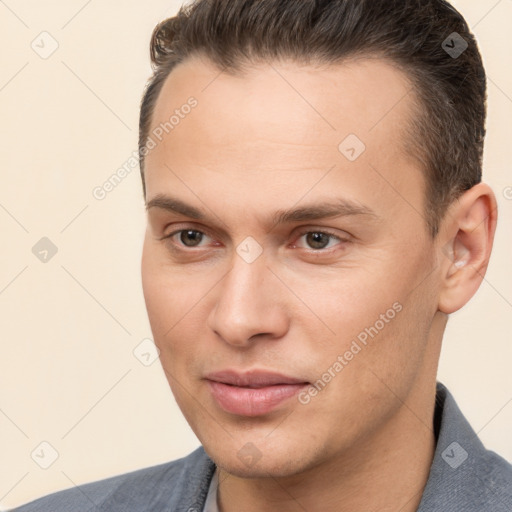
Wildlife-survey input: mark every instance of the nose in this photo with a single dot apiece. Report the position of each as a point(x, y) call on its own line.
point(248, 305)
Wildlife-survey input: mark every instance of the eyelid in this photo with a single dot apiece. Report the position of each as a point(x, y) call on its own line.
point(324, 231)
point(186, 227)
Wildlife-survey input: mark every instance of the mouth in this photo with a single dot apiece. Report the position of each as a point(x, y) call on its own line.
point(253, 393)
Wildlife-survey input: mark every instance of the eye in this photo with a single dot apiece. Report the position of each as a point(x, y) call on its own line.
point(187, 237)
point(319, 240)
point(315, 240)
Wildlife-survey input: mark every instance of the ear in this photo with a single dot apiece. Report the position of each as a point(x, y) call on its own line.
point(465, 243)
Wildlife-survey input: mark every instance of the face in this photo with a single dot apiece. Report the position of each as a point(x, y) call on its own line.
point(288, 274)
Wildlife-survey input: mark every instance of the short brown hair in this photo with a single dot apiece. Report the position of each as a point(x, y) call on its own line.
point(447, 131)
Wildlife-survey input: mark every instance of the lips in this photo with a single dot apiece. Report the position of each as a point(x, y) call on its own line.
point(252, 393)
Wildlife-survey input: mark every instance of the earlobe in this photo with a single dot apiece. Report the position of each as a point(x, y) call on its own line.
point(467, 237)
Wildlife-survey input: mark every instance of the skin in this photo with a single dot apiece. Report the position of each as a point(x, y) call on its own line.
point(268, 141)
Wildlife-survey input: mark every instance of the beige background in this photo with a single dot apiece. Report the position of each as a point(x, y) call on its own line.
point(69, 326)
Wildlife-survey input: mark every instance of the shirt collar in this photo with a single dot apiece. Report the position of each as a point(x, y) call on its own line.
point(211, 498)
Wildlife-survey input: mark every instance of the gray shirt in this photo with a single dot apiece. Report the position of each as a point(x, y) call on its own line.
point(464, 477)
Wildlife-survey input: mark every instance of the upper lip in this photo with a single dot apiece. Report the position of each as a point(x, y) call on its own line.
point(253, 378)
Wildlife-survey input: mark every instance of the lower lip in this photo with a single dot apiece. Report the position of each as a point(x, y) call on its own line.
point(252, 401)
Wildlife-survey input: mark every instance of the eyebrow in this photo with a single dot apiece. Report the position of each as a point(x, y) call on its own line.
point(322, 210)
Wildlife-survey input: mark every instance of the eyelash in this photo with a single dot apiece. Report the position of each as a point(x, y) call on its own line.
point(331, 236)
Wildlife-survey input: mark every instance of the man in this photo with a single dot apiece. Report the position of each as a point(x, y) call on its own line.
point(312, 176)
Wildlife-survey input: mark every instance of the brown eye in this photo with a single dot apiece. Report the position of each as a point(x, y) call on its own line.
point(317, 240)
point(190, 237)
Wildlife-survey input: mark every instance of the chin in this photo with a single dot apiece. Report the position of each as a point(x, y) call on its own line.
point(274, 468)
point(266, 461)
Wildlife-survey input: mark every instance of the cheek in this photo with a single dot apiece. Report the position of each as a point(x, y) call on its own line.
point(396, 337)
point(167, 291)
point(372, 318)
point(163, 303)
point(345, 302)
point(175, 302)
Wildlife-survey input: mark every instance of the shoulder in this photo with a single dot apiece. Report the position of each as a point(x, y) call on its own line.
point(464, 476)
point(483, 481)
point(154, 488)
point(495, 476)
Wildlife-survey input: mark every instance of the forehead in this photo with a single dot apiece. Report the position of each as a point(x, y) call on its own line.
point(278, 122)
point(358, 94)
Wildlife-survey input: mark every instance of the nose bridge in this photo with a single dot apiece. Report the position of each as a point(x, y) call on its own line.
point(246, 303)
